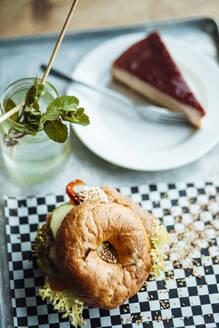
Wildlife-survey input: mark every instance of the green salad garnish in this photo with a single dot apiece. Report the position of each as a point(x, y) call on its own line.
point(63, 300)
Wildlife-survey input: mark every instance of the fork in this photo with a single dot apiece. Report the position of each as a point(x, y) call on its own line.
point(148, 112)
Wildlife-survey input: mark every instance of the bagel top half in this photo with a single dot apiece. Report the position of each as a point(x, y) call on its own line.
point(94, 280)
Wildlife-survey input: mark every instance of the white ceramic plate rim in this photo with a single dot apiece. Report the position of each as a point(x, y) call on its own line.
point(202, 141)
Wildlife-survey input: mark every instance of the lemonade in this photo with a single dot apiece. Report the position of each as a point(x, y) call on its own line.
point(32, 158)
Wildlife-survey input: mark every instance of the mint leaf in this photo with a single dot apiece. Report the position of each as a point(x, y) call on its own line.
point(32, 121)
point(8, 106)
point(56, 130)
point(30, 96)
point(77, 116)
point(36, 105)
point(33, 94)
point(58, 105)
point(39, 87)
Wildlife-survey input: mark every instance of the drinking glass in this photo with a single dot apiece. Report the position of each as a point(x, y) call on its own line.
point(33, 158)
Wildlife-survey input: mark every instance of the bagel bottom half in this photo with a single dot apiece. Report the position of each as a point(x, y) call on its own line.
point(93, 280)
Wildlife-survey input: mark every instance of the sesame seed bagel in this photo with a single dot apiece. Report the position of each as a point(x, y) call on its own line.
point(92, 279)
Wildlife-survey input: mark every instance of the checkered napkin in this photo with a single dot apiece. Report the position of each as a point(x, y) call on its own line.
point(183, 301)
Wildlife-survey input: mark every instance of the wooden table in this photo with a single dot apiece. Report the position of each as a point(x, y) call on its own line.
point(25, 17)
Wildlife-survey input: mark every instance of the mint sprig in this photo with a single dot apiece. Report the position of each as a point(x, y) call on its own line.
point(59, 105)
point(33, 94)
point(76, 116)
point(64, 108)
point(56, 130)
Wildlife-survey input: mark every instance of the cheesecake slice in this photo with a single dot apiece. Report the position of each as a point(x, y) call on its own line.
point(148, 68)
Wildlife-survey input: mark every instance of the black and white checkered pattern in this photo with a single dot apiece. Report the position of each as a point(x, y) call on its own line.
point(193, 303)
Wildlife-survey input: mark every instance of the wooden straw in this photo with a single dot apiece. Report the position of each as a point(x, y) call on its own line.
point(11, 112)
point(59, 41)
point(55, 50)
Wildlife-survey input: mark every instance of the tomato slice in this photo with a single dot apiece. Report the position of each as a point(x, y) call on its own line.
point(74, 199)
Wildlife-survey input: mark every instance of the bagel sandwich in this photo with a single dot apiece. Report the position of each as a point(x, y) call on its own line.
point(97, 250)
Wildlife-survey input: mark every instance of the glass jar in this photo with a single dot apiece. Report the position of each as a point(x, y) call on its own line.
point(33, 158)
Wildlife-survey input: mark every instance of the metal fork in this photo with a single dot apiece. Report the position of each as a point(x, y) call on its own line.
point(148, 112)
point(161, 115)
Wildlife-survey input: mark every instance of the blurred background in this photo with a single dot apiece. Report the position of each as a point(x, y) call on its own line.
point(25, 17)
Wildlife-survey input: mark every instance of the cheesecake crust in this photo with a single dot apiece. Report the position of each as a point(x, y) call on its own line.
point(156, 96)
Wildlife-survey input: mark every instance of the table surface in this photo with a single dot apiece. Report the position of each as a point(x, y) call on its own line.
point(24, 57)
point(25, 17)
point(15, 63)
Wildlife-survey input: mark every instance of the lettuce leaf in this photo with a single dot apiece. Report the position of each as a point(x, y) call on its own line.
point(157, 240)
point(63, 300)
point(66, 302)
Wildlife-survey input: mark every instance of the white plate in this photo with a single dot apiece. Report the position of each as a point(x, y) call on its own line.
point(119, 135)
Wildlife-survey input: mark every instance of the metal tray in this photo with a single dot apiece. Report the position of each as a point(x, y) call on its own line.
point(25, 54)
point(20, 57)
